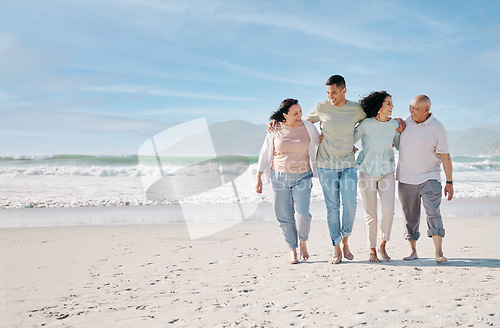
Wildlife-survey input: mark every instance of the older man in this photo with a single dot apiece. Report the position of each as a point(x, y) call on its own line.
point(423, 147)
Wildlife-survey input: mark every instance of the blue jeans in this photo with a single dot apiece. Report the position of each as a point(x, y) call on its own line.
point(292, 197)
point(337, 183)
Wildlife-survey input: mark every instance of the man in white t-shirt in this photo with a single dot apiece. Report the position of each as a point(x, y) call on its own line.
point(423, 147)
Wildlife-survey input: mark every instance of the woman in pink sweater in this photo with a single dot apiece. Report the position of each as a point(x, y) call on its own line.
point(288, 159)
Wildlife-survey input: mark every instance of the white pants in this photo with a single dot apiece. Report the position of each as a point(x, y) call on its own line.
point(385, 186)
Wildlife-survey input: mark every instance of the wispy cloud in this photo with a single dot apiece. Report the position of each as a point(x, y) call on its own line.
point(345, 26)
point(185, 110)
point(240, 69)
point(490, 58)
point(77, 120)
point(153, 91)
point(195, 110)
point(18, 58)
point(332, 30)
point(177, 8)
point(7, 43)
point(8, 100)
point(177, 60)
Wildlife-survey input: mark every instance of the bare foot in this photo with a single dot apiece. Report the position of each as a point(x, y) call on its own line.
point(347, 253)
point(383, 254)
point(412, 256)
point(440, 258)
point(337, 258)
point(293, 257)
point(438, 244)
point(304, 255)
point(373, 257)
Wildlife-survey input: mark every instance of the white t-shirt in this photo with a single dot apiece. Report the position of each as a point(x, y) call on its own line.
point(418, 151)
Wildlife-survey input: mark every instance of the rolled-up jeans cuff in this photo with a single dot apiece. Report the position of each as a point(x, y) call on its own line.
point(346, 234)
point(412, 236)
point(434, 232)
point(337, 241)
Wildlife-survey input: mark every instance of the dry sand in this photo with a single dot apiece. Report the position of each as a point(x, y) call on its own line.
point(155, 276)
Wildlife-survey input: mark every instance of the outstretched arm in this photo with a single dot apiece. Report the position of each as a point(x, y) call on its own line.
point(448, 171)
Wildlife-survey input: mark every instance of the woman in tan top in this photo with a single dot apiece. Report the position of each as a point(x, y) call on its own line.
point(288, 158)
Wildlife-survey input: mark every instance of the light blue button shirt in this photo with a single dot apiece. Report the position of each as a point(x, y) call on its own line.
point(377, 156)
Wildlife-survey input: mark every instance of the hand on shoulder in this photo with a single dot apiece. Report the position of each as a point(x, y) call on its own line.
point(402, 125)
point(272, 126)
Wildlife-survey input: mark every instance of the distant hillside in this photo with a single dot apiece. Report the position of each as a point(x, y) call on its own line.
point(244, 138)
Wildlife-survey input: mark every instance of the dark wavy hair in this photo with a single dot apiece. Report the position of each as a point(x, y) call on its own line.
point(373, 102)
point(283, 109)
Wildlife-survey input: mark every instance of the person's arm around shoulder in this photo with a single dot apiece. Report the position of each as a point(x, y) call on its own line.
point(358, 132)
point(313, 116)
point(448, 171)
point(272, 126)
point(313, 132)
point(397, 136)
point(397, 140)
point(362, 115)
point(402, 124)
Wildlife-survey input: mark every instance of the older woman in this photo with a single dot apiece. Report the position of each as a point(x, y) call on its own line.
point(288, 159)
point(376, 167)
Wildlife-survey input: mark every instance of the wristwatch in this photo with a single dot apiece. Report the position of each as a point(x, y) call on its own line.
point(449, 182)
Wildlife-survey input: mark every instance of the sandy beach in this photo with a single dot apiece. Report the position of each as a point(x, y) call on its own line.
point(131, 133)
point(154, 275)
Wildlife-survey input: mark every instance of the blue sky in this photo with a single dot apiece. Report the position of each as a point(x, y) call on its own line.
point(100, 77)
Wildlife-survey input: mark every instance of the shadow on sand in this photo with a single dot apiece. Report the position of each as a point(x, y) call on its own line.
point(452, 262)
point(423, 262)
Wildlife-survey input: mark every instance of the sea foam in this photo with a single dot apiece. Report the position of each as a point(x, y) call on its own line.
point(84, 180)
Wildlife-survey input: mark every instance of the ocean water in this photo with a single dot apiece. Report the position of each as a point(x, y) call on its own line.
point(88, 181)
